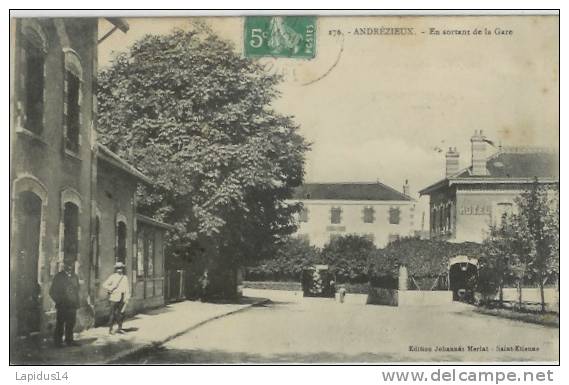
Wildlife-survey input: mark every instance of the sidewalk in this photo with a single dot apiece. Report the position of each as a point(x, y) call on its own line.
point(143, 330)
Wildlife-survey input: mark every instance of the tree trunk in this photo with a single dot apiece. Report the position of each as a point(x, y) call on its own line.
point(542, 294)
point(501, 295)
point(519, 294)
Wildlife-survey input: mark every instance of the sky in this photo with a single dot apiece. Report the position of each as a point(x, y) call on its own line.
point(387, 107)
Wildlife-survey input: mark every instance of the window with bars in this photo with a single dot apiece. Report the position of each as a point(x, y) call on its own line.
point(336, 215)
point(33, 61)
point(369, 214)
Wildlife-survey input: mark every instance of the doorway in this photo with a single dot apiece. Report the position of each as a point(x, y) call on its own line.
point(28, 291)
point(463, 278)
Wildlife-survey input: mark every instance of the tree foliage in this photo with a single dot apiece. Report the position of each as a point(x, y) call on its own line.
point(355, 259)
point(349, 257)
point(291, 257)
point(423, 257)
point(524, 246)
point(196, 117)
point(499, 252)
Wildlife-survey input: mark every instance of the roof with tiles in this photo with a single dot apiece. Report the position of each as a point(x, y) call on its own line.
point(372, 191)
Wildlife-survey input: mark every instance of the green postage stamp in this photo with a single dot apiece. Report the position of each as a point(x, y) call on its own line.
point(280, 36)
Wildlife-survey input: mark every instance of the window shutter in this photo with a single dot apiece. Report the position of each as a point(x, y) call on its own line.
point(23, 79)
point(65, 93)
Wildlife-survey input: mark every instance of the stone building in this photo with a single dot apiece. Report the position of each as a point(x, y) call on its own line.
point(71, 199)
point(373, 210)
point(119, 233)
point(466, 201)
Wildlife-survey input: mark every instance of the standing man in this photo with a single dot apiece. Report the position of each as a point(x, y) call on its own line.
point(65, 293)
point(118, 290)
point(204, 282)
point(342, 294)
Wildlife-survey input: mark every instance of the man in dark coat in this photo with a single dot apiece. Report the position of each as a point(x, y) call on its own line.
point(65, 293)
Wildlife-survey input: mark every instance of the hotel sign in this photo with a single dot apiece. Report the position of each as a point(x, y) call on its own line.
point(474, 210)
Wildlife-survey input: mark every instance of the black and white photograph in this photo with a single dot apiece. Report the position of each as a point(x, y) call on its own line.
point(287, 188)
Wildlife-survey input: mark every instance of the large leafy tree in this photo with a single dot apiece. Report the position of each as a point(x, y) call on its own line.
point(537, 232)
point(500, 250)
point(350, 257)
point(196, 117)
point(292, 257)
point(525, 245)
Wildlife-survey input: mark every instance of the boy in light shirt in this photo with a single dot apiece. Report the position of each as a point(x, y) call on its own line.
point(118, 290)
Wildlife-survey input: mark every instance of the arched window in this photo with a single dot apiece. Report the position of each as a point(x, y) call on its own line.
point(32, 76)
point(69, 226)
point(72, 100)
point(121, 242)
point(70, 232)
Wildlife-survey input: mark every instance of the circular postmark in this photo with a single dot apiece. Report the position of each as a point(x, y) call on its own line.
point(307, 71)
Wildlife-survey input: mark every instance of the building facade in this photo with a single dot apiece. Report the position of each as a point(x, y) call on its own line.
point(71, 199)
point(54, 66)
point(149, 271)
point(373, 210)
point(466, 202)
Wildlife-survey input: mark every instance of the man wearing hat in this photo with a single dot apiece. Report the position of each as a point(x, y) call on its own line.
point(64, 291)
point(118, 290)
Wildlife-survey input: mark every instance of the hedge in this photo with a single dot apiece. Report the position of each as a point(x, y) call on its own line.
point(355, 259)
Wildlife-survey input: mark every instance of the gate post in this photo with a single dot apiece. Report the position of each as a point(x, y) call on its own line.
point(403, 277)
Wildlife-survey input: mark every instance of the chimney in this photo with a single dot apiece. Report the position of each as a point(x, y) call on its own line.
point(479, 155)
point(406, 187)
point(452, 161)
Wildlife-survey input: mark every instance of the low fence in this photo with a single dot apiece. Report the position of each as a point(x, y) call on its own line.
point(531, 299)
point(531, 294)
point(351, 288)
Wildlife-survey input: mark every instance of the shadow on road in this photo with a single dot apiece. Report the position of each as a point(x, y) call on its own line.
point(240, 301)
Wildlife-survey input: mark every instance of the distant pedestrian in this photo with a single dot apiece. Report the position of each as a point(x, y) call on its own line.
point(118, 290)
point(204, 283)
point(342, 294)
point(65, 293)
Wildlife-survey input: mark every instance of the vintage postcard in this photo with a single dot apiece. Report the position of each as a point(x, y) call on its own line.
point(284, 189)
